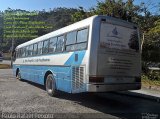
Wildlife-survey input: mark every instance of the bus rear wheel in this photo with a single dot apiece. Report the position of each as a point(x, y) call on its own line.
point(50, 85)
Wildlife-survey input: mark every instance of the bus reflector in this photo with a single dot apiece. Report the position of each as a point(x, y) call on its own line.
point(96, 79)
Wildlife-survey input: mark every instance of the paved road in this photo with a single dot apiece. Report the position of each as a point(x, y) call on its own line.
point(29, 98)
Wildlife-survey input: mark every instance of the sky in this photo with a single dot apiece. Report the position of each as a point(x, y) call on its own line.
point(47, 4)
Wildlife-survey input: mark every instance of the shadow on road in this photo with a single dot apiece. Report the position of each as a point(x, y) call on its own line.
point(111, 103)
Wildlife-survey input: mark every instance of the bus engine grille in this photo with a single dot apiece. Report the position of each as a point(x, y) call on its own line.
point(78, 76)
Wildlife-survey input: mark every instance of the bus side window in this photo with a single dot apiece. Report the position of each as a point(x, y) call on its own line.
point(35, 49)
point(60, 44)
point(71, 40)
point(40, 46)
point(82, 38)
point(27, 48)
point(45, 46)
point(20, 53)
point(52, 44)
point(30, 50)
point(23, 52)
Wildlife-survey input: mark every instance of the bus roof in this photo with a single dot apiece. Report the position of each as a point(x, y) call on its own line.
point(74, 26)
point(60, 31)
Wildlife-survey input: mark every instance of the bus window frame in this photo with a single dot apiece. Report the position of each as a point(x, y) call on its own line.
point(86, 27)
point(47, 48)
point(64, 44)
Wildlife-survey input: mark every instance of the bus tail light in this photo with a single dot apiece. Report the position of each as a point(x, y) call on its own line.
point(96, 79)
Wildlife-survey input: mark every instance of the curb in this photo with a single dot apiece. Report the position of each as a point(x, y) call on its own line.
point(139, 95)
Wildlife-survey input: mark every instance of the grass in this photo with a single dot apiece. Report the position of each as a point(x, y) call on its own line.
point(5, 66)
point(150, 83)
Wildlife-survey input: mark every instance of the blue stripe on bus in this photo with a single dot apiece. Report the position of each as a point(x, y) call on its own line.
point(36, 74)
point(62, 74)
point(71, 60)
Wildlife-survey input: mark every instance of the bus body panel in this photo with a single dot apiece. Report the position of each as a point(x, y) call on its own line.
point(113, 59)
point(34, 69)
point(72, 70)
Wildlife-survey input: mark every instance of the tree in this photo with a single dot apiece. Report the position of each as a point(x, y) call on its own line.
point(115, 8)
point(79, 15)
point(151, 48)
point(55, 18)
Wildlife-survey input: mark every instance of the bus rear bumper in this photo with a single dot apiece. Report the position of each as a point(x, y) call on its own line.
point(112, 87)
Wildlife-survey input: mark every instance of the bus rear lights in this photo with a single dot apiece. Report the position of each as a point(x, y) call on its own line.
point(96, 79)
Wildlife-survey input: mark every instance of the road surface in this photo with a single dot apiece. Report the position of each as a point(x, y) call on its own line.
point(22, 97)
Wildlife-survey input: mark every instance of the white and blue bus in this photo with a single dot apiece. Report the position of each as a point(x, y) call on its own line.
point(97, 54)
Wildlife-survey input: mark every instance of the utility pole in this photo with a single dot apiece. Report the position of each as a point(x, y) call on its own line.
point(12, 47)
point(12, 50)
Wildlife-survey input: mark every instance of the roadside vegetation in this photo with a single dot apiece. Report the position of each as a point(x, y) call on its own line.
point(5, 66)
point(151, 81)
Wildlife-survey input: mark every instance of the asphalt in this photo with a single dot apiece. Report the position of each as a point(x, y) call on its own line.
point(149, 94)
point(143, 93)
point(24, 97)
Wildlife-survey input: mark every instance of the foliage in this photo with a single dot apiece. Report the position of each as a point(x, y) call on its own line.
point(151, 47)
point(146, 82)
point(56, 18)
point(115, 8)
point(79, 15)
point(154, 75)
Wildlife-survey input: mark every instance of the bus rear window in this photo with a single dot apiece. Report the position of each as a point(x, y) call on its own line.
point(118, 37)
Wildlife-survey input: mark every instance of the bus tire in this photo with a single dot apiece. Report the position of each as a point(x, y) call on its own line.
point(19, 76)
point(50, 85)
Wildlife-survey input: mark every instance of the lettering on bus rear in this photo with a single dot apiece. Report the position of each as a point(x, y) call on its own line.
point(118, 50)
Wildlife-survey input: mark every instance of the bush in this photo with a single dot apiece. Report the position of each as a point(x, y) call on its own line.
point(144, 77)
point(154, 75)
point(150, 74)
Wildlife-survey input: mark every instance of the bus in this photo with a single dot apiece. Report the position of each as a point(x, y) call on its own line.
point(97, 54)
